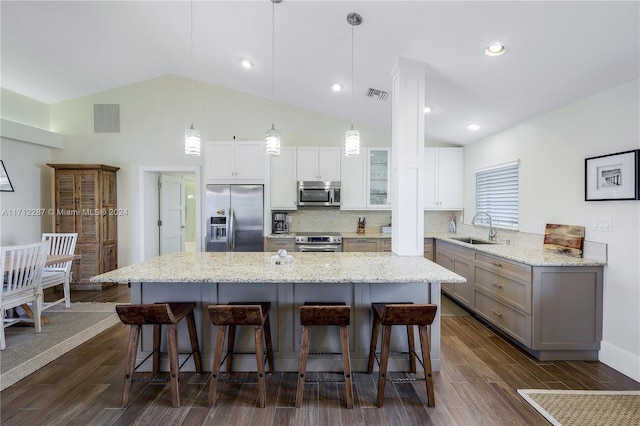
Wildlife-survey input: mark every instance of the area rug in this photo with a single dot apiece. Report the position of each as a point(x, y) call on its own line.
point(27, 351)
point(585, 408)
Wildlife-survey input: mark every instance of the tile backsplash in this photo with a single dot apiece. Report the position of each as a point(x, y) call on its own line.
point(335, 220)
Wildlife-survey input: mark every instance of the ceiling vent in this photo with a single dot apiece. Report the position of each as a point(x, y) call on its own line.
point(106, 118)
point(380, 95)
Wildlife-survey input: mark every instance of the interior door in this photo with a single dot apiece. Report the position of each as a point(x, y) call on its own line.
point(172, 218)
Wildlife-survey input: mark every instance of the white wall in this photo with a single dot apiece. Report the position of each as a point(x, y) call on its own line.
point(552, 148)
point(21, 109)
point(23, 213)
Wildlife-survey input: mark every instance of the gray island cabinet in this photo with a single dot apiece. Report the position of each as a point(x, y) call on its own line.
point(357, 279)
point(551, 306)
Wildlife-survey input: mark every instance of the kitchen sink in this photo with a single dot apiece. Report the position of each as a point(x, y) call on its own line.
point(470, 240)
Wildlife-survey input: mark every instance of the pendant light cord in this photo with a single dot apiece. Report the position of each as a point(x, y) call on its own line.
point(191, 55)
point(353, 108)
point(273, 47)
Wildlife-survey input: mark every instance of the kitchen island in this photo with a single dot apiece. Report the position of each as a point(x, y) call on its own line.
point(357, 279)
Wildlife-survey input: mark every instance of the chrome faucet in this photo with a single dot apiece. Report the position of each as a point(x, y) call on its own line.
point(492, 231)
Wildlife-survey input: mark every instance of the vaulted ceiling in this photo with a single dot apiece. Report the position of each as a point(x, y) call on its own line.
point(557, 53)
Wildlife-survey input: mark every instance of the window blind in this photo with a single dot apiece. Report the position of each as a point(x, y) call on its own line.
point(497, 193)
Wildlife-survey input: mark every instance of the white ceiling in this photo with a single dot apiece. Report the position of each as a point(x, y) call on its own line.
point(559, 52)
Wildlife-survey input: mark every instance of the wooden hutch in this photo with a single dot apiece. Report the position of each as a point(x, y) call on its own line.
point(86, 203)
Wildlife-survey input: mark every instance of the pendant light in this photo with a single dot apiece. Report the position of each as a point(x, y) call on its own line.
point(352, 136)
point(191, 135)
point(272, 136)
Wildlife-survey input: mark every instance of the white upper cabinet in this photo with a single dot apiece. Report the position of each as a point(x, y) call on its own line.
point(224, 161)
point(353, 189)
point(378, 182)
point(365, 180)
point(318, 163)
point(283, 180)
point(444, 174)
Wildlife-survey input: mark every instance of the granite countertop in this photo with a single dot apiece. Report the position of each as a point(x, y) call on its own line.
point(306, 268)
point(279, 236)
point(520, 253)
point(365, 235)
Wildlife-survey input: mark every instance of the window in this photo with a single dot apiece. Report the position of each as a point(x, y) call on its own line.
point(497, 193)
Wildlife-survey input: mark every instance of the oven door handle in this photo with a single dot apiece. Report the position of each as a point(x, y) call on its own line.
point(318, 248)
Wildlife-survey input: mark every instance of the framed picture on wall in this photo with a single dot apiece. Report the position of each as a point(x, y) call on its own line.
point(5, 182)
point(612, 177)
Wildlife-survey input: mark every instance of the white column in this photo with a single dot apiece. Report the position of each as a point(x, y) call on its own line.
point(407, 157)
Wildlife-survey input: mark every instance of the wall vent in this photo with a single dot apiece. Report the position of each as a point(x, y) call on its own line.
point(106, 118)
point(380, 95)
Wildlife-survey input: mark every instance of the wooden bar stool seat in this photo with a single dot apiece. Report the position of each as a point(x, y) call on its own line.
point(158, 314)
point(317, 314)
point(226, 318)
point(408, 314)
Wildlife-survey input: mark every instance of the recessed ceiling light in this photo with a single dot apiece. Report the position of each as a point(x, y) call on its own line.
point(428, 109)
point(473, 126)
point(495, 49)
point(247, 63)
point(336, 87)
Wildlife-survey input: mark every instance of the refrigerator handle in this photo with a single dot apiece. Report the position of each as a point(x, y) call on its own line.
point(231, 232)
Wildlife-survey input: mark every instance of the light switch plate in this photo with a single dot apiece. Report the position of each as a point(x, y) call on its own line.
point(601, 224)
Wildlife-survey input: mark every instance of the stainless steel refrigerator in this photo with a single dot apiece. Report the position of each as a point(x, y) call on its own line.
point(234, 217)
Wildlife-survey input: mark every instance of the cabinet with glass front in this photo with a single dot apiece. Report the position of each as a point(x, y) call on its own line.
point(378, 184)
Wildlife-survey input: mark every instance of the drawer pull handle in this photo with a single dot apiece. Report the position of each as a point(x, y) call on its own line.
point(497, 285)
point(499, 265)
point(496, 312)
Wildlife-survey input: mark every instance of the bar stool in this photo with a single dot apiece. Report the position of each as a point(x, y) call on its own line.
point(409, 314)
point(158, 314)
point(226, 318)
point(314, 314)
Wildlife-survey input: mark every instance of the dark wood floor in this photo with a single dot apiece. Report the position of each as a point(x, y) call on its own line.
point(477, 385)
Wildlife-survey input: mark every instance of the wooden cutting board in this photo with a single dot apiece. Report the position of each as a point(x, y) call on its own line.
point(564, 239)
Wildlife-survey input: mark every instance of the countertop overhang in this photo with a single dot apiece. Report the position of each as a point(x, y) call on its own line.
point(319, 268)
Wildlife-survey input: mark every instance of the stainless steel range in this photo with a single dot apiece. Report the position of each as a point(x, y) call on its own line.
point(318, 241)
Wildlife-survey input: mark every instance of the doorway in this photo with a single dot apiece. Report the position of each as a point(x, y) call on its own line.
point(169, 206)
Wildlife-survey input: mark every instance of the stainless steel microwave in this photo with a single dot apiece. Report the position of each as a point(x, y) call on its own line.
point(319, 193)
